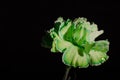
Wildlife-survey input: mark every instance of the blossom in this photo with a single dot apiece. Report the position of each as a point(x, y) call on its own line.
point(76, 40)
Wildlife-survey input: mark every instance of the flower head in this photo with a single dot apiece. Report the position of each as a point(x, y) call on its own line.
point(76, 40)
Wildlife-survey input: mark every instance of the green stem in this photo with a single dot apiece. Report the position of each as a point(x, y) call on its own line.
point(67, 73)
point(75, 76)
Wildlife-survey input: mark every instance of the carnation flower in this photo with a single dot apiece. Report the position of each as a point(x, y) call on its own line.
point(76, 40)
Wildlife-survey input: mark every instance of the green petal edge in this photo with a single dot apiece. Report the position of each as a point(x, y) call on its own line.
point(72, 57)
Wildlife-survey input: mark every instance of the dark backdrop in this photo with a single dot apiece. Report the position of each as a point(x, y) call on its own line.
point(24, 23)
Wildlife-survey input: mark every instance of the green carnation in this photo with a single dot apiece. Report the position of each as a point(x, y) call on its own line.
point(76, 40)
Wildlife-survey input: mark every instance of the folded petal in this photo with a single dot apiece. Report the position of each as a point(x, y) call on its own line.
point(53, 49)
point(93, 35)
point(101, 45)
point(98, 52)
point(76, 58)
point(61, 44)
point(97, 57)
point(64, 28)
point(69, 33)
point(79, 35)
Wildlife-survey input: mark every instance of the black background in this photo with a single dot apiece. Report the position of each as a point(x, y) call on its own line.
point(24, 23)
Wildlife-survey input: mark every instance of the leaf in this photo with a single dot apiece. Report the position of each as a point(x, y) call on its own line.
point(46, 41)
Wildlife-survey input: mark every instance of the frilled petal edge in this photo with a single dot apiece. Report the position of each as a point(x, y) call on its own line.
point(73, 57)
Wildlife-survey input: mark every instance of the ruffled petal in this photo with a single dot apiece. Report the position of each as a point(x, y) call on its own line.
point(98, 52)
point(64, 28)
point(101, 45)
point(61, 45)
point(74, 57)
point(53, 49)
point(93, 35)
point(97, 57)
